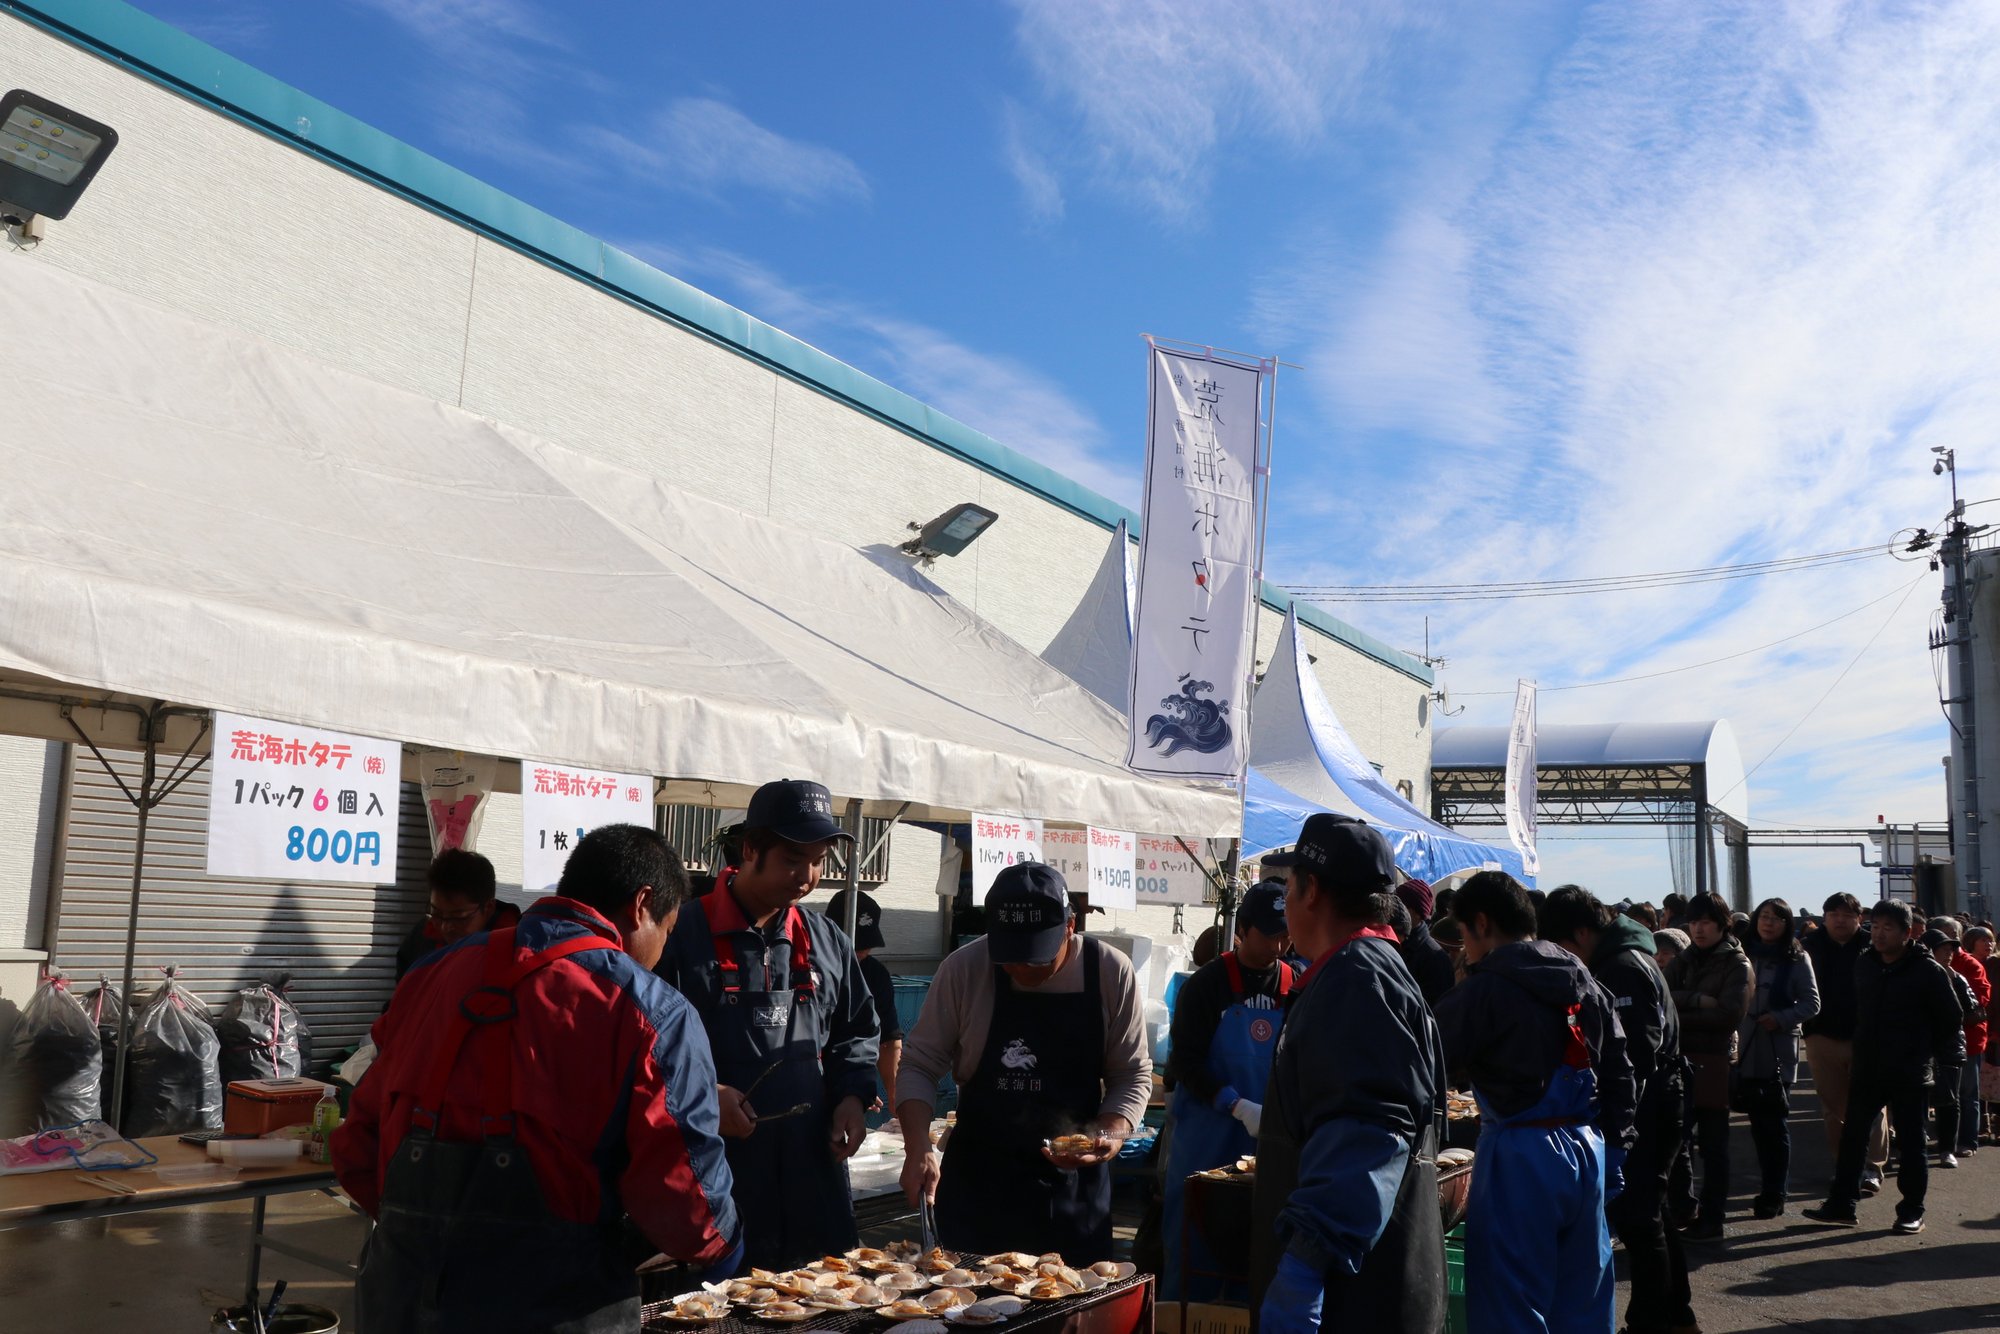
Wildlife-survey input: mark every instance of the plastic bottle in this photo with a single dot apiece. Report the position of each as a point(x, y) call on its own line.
point(325, 1120)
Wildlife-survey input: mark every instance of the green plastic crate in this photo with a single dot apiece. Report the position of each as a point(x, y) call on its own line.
point(1454, 1280)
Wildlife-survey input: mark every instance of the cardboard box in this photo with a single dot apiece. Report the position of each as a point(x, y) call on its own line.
point(258, 1106)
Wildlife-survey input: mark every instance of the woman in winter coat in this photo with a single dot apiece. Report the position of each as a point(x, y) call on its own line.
point(1711, 985)
point(1784, 995)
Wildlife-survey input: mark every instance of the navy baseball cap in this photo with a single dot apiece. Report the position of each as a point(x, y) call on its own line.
point(867, 919)
point(1027, 913)
point(1340, 847)
point(1263, 907)
point(796, 810)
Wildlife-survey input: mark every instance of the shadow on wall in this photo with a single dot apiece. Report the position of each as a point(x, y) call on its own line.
point(17, 1100)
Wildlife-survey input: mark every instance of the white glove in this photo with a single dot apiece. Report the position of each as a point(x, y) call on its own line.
point(1251, 1114)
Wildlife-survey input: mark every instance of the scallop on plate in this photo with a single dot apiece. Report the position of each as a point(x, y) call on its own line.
point(906, 1309)
point(1113, 1271)
point(903, 1280)
point(696, 1308)
point(992, 1311)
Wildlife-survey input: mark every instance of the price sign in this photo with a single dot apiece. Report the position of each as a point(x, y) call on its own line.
point(298, 803)
point(1113, 858)
point(1000, 841)
point(1167, 874)
point(1068, 850)
point(559, 805)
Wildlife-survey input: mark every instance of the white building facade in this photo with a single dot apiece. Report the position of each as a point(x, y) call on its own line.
point(243, 202)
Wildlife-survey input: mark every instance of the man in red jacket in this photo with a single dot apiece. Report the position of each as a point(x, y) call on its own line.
point(536, 1086)
point(1973, 971)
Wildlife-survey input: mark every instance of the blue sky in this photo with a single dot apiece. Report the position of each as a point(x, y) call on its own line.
point(1575, 289)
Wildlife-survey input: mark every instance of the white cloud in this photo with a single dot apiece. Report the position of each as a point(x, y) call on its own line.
point(708, 147)
point(1156, 86)
point(1710, 299)
point(999, 394)
point(1041, 191)
point(469, 26)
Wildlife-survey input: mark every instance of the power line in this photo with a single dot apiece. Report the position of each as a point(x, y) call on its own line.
point(1852, 664)
point(1531, 588)
point(1697, 666)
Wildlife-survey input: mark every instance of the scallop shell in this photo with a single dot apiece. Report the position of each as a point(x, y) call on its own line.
point(868, 1295)
point(1004, 1305)
point(1014, 1259)
point(935, 1261)
point(1115, 1270)
point(906, 1280)
point(905, 1310)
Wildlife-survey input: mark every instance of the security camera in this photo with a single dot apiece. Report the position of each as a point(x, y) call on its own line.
point(1937, 468)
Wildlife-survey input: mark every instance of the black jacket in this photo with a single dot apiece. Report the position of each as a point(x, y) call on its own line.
point(1623, 965)
point(1198, 1008)
point(1907, 1018)
point(1429, 964)
point(1967, 1007)
point(1833, 969)
point(1506, 1030)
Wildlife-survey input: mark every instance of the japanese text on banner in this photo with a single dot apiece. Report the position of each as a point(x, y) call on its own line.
point(560, 804)
point(1191, 650)
point(1114, 858)
point(1000, 841)
point(1521, 778)
point(299, 803)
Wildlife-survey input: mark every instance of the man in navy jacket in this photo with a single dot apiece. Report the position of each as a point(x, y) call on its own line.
point(1346, 1225)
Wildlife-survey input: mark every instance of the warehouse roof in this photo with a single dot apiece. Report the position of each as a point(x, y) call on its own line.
point(157, 51)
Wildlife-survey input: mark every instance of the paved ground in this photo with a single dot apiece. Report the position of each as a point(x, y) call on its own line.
point(167, 1271)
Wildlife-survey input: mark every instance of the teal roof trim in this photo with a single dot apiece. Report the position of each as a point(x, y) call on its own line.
point(165, 55)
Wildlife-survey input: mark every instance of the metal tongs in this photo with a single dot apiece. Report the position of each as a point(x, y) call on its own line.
point(929, 1223)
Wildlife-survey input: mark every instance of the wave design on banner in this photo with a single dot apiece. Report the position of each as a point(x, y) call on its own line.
point(1190, 722)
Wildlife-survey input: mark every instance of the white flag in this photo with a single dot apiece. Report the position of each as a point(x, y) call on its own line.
point(1521, 778)
point(1191, 649)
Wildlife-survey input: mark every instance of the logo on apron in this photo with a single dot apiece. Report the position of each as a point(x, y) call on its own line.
point(1260, 1030)
point(1017, 1056)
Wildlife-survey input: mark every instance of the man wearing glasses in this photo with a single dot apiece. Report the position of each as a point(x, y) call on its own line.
point(462, 904)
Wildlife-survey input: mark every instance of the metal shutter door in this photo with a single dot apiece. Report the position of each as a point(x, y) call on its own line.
point(337, 941)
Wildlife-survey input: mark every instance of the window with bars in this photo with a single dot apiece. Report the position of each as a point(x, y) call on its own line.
point(691, 830)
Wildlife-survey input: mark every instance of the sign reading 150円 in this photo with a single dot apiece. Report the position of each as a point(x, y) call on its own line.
point(301, 803)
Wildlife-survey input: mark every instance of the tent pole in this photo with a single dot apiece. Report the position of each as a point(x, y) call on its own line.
point(853, 904)
point(144, 803)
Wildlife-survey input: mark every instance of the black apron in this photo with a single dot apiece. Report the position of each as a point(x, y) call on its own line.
point(791, 1192)
point(1040, 1075)
point(1400, 1287)
point(465, 1240)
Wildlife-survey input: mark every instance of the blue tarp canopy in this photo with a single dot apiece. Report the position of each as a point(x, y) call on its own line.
point(1302, 760)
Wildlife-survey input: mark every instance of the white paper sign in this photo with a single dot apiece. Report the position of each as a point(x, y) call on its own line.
point(1191, 650)
point(1000, 841)
point(298, 803)
point(1114, 858)
point(1168, 875)
point(560, 804)
point(1068, 850)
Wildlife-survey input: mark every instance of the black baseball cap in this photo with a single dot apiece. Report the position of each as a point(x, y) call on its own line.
point(1263, 907)
point(867, 919)
point(796, 810)
point(1340, 847)
point(1933, 938)
point(1027, 911)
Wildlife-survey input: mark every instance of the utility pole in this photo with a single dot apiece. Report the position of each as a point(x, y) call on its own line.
point(1961, 686)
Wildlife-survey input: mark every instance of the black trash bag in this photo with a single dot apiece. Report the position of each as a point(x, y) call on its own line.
point(106, 1006)
point(263, 1035)
point(172, 1077)
point(56, 1045)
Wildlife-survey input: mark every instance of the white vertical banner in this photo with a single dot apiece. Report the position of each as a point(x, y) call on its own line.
point(1114, 860)
point(1521, 778)
point(559, 805)
point(1000, 841)
point(1191, 649)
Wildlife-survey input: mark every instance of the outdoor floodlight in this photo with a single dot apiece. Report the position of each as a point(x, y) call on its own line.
point(950, 532)
point(48, 154)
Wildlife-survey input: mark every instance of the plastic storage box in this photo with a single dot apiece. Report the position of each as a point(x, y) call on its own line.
point(259, 1106)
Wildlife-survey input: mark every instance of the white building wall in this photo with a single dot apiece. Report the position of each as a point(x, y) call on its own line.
point(209, 216)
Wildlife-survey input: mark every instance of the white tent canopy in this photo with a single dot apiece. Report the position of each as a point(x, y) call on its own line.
point(197, 516)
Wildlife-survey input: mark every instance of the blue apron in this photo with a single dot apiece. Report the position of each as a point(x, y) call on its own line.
point(1246, 1038)
point(791, 1192)
point(1537, 1249)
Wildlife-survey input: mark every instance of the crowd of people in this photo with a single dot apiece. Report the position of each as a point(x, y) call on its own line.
point(1608, 1048)
point(630, 1066)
